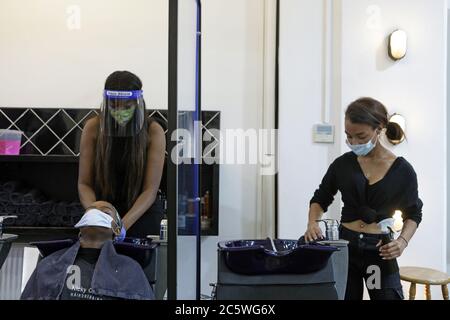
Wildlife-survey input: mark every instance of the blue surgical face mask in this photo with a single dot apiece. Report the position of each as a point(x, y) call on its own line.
point(362, 149)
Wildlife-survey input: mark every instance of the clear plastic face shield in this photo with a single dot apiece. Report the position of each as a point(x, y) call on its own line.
point(122, 113)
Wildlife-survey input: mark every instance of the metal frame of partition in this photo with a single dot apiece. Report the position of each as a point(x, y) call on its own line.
point(172, 168)
point(277, 107)
point(198, 118)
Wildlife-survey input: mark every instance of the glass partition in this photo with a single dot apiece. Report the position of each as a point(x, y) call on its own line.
point(185, 149)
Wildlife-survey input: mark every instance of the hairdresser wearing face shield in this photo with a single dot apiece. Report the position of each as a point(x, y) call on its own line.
point(374, 183)
point(122, 155)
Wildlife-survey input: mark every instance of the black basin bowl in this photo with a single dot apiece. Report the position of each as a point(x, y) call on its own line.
point(257, 257)
point(141, 250)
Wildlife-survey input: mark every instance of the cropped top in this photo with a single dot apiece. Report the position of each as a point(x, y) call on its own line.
point(397, 190)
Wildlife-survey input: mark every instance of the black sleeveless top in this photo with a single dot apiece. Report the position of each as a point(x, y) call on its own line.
point(119, 172)
point(149, 222)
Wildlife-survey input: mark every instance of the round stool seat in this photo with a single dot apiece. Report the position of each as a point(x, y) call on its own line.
point(424, 276)
point(427, 277)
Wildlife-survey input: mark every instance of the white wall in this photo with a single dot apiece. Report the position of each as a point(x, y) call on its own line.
point(301, 162)
point(415, 87)
point(448, 139)
point(45, 62)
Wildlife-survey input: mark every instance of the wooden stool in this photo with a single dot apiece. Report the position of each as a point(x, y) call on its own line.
point(425, 276)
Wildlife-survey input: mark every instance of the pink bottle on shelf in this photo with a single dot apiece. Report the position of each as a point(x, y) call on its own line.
point(10, 142)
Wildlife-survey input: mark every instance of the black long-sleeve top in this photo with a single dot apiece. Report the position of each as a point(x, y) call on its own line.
point(370, 203)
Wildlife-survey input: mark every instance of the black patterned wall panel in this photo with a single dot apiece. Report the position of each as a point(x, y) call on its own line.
point(49, 132)
point(40, 185)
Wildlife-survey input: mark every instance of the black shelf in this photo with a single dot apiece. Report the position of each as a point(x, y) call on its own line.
point(32, 234)
point(39, 158)
point(48, 160)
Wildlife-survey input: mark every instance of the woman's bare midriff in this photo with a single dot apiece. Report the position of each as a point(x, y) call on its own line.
point(361, 226)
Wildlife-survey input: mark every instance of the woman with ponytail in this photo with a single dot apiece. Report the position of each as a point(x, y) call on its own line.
point(374, 184)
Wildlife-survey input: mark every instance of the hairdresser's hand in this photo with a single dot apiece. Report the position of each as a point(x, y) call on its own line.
point(122, 234)
point(313, 232)
point(393, 249)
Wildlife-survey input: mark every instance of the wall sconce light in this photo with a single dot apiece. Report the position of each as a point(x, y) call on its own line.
point(400, 120)
point(398, 41)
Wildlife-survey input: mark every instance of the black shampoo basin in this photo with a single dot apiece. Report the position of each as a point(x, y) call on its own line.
point(258, 257)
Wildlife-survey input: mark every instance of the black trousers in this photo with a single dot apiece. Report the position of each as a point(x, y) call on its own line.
point(382, 277)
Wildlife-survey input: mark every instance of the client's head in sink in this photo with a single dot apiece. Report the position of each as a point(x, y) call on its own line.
point(91, 269)
point(100, 223)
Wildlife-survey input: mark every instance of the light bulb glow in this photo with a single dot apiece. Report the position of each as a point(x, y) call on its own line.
point(398, 220)
point(398, 44)
point(399, 119)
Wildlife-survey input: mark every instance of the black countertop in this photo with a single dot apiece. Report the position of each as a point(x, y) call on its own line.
point(32, 234)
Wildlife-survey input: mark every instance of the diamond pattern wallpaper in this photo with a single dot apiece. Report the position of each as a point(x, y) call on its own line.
point(58, 131)
point(43, 192)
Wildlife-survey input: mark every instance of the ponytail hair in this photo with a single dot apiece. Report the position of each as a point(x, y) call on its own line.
point(373, 113)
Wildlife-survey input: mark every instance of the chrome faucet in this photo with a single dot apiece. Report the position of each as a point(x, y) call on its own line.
point(332, 229)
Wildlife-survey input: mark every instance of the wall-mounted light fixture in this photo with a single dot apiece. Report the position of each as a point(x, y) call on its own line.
point(398, 44)
point(400, 120)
